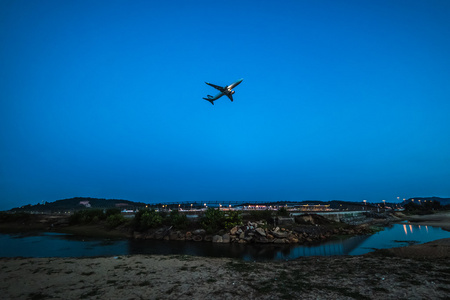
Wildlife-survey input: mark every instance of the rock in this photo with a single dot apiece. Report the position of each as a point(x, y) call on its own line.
point(217, 239)
point(225, 238)
point(262, 240)
point(207, 238)
point(239, 231)
point(159, 236)
point(137, 235)
point(279, 241)
point(173, 236)
point(260, 231)
point(234, 230)
point(242, 235)
point(188, 234)
point(197, 238)
point(242, 241)
point(199, 232)
point(285, 220)
point(280, 235)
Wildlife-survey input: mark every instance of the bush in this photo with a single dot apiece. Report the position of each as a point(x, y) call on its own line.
point(146, 219)
point(212, 220)
point(15, 217)
point(114, 220)
point(283, 212)
point(215, 220)
point(423, 208)
point(232, 218)
point(259, 215)
point(112, 211)
point(177, 220)
point(87, 216)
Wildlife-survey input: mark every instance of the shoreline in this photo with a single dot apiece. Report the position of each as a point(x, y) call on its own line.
point(419, 271)
point(440, 219)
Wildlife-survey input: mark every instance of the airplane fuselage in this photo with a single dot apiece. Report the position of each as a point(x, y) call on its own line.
point(227, 91)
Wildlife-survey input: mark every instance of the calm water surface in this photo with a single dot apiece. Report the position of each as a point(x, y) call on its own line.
point(62, 245)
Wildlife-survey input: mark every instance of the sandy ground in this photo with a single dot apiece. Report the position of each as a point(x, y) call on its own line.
point(416, 272)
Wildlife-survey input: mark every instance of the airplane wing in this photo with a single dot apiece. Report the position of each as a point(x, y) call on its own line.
point(215, 86)
point(231, 97)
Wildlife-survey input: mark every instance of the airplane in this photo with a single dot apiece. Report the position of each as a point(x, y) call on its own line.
point(226, 90)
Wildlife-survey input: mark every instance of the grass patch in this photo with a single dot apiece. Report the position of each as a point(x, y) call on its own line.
point(184, 268)
point(380, 289)
point(141, 273)
point(90, 294)
point(38, 296)
point(241, 267)
point(444, 289)
point(145, 283)
point(87, 273)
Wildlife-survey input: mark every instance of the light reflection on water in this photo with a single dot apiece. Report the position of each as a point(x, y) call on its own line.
point(61, 245)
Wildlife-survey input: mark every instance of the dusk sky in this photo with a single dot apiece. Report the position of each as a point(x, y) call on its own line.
point(341, 100)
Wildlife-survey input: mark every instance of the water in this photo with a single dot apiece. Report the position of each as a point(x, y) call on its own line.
point(62, 245)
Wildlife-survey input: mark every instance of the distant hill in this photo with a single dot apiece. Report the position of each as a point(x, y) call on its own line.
point(443, 201)
point(80, 203)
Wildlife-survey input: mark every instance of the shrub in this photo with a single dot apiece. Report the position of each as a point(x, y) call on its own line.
point(87, 216)
point(212, 220)
point(215, 220)
point(114, 220)
point(258, 215)
point(231, 219)
point(177, 220)
point(146, 219)
point(15, 217)
point(112, 211)
point(283, 212)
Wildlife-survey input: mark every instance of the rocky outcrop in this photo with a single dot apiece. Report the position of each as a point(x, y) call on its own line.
point(259, 232)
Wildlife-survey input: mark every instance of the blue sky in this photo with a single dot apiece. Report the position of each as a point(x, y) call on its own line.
point(343, 100)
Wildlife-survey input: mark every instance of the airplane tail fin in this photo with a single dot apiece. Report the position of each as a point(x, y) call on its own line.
point(212, 102)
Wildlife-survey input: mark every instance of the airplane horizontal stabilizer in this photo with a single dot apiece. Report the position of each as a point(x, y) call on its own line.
point(212, 102)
